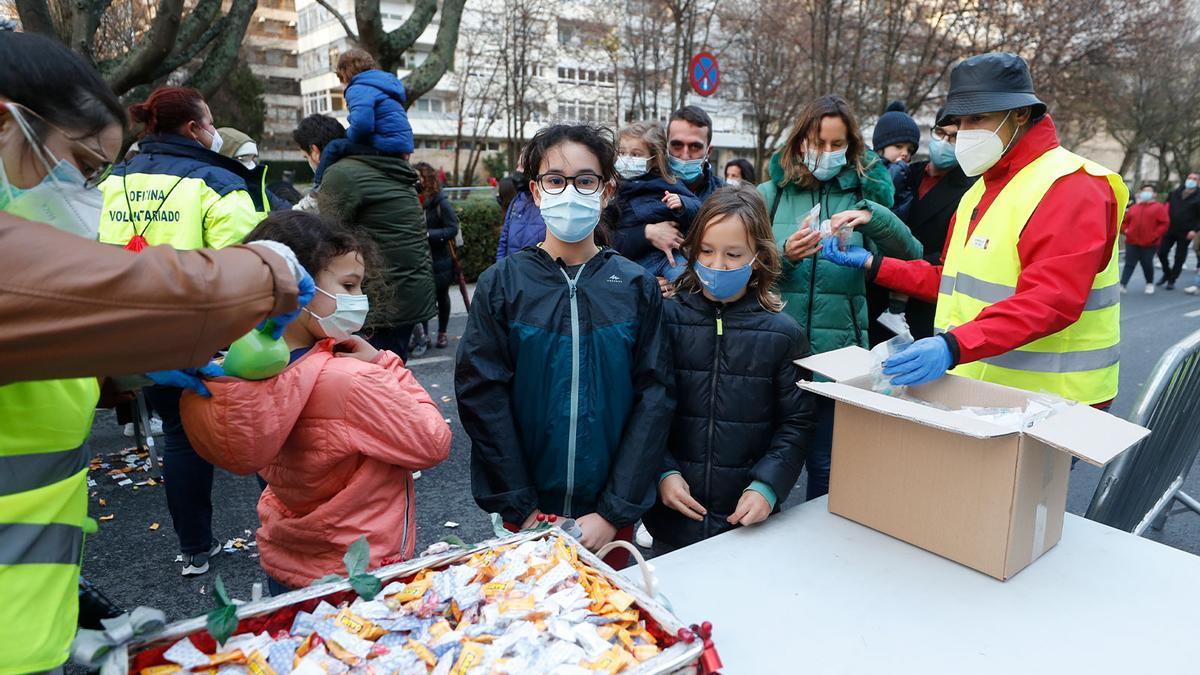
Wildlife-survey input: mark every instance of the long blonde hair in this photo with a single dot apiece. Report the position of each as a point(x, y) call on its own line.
point(808, 128)
point(655, 138)
point(747, 204)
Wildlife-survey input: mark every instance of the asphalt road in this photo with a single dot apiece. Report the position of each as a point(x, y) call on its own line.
point(136, 565)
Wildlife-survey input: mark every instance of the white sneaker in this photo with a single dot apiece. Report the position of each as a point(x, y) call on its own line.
point(642, 537)
point(1123, 289)
point(1192, 290)
point(1149, 289)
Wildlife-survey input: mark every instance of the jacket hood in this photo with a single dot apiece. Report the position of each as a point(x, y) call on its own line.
point(385, 82)
point(247, 422)
point(875, 183)
point(394, 167)
point(232, 140)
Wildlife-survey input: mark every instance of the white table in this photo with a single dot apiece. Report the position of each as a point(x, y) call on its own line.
point(810, 592)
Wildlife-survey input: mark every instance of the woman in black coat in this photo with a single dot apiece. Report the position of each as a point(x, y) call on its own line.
point(442, 223)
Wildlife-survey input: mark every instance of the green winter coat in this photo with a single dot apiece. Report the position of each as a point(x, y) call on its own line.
point(830, 302)
point(378, 194)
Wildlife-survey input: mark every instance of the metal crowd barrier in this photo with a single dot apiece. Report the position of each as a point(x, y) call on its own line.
point(1141, 487)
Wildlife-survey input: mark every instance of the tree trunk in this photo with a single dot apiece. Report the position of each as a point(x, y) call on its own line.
point(36, 18)
point(154, 48)
point(441, 58)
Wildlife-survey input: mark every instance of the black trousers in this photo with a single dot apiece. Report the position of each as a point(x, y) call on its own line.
point(1135, 255)
point(1179, 240)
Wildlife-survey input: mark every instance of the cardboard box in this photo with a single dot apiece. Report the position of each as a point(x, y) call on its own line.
point(984, 495)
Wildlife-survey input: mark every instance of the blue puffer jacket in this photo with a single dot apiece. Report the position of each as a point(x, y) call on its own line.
point(377, 117)
point(706, 184)
point(639, 203)
point(523, 226)
point(565, 386)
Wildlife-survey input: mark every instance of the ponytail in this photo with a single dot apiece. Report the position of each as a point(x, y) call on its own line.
point(168, 110)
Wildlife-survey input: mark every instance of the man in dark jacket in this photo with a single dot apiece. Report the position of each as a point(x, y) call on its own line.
point(689, 144)
point(378, 193)
point(937, 186)
point(1184, 207)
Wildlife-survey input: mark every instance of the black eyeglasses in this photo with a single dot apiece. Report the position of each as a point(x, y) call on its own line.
point(92, 175)
point(555, 183)
point(942, 135)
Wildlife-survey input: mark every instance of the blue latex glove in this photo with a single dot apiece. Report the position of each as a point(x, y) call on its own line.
point(853, 256)
point(923, 361)
point(307, 290)
point(188, 378)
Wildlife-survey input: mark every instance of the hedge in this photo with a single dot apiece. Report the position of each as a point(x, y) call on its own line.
point(480, 220)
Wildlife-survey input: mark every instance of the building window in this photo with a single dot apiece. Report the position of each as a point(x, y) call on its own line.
point(316, 103)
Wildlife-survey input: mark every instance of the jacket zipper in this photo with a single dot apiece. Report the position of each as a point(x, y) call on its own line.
point(574, 389)
point(854, 320)
point(812, 261)
point(712, 413)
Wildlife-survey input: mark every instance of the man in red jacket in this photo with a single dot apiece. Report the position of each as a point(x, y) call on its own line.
point(1144, 226)
point(1027, 293)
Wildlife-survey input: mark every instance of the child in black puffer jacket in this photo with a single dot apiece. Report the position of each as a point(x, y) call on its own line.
point(648, 194)
point(741, 425)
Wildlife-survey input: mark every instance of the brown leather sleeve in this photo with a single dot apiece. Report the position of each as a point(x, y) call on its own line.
point(70, 307)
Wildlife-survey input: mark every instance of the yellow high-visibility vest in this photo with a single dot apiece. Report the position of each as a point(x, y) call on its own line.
point(43, 510)
point(1081, 361)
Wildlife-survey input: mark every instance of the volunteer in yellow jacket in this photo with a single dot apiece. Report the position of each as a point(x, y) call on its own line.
point(179, 190)
point(1028, 293)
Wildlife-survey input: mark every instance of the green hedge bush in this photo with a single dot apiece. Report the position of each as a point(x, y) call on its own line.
point(480, 220)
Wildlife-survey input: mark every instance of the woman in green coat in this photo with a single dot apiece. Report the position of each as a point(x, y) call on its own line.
point(825, 161)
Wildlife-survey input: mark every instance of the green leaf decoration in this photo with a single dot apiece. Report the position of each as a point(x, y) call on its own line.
point(327, 579)
point(498, 526)
point(366, 585)
point(220, 593)
point(357, 557)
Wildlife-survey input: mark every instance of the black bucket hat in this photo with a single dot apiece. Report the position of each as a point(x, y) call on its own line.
point(992, 82)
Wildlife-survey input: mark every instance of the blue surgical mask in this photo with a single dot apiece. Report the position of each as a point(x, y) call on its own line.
point(569, 215)
point(825, 165)
point(723, 284)
point(941, 153)
point(1145, 196)
point(1189, 184)
point(689, 169)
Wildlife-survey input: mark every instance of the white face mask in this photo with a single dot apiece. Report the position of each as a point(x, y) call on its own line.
point(631, 167)
point(978, 150)
point(217, 141)
point(248, 163)
point(734, 182)
point(348, 317)
point(62, 199)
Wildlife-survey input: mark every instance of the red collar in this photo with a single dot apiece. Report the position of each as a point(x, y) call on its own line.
point(1039, 139)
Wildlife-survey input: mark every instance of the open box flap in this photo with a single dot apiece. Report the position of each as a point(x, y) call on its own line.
point(1087, 433)
point(839, 365)
point(907, 410)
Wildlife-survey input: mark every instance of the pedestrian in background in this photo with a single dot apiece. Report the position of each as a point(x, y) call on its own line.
point(895, 139)
point(689, 147)
point(180, 191)
point(1184, 208)
point(523, 225)
point(1144, 225)
point(313, 134)
point(740, 171)
point(442, 223)
point(825, 162)
point(936, 185)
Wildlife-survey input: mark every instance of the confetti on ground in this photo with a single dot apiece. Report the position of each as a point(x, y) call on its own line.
point(102, 501)
point(435, 386)
point(179, 558)
point(450, 523)
point(154, 526)
point(447, 420)
point(239, 544)
point(107, 518)
point(447, 399)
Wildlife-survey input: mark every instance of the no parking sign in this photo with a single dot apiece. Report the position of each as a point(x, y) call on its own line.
point(704, 74)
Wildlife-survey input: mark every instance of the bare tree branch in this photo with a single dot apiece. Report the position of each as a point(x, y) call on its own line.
point(441, 57)
point(36, 18)
point(154, 47)
point(341, 19)
point(223, 55)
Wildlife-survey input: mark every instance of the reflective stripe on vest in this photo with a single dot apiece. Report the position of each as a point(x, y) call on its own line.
point(45, 544)
point(19, 473)
point(986, 291)
point(1079, 362)
point(43, 508)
